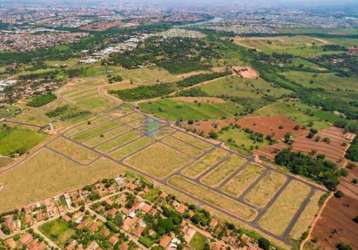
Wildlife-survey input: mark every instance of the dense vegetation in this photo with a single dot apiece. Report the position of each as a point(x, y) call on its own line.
point(193, 80)
point(41, 100)
point(173, 54)
point(316, 168)
point(352, 152)
point(144, 92)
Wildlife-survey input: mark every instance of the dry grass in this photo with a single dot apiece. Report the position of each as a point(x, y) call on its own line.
point(132, 117)
point(73, 151)
point(243, 180)
point(306, 218)
point(216, 176)
point(233, 207)
point(163, 132)
point(90, 124)
point(192, 140)
point(279, 215)
point(263, 192)
point(132, 147)
point(119, 141)
point(205, 162)
point(157, 160)
point(110, 134)
point(181, 146)
point(49, 174)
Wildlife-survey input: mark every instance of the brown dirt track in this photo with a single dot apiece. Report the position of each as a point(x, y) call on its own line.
point(336, 224)
point(277, 126)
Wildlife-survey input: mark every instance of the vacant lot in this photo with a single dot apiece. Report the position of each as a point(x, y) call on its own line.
point(50, 174)
point(276, 126)
point(233, 207)
point(279, 215)
point(263, 192)
point(119, 141)
point(181, 146)
point(73, 151)
point(196, 142)
point(243, 180)
point(158, 160)
point(132, 147)
point(15, 140)
point(205, 162)
point(216, 176)
point(58, 231)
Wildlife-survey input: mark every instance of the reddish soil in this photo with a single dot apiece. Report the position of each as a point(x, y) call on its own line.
point(336, 224)
point(277, 126)
point(334, 150)
point(245, 72)
point(205, 127)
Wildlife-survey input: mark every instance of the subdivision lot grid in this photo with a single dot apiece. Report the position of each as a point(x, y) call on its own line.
point(256, 194)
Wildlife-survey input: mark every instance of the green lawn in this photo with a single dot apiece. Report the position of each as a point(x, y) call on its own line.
point(176, 110)
point(18, 140)
point(198, 242)
point(58, 230)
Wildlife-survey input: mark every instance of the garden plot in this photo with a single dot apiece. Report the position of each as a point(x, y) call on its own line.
point(158, 160)
point(228, 205)
point(205, 162)
point(216, 176)
point(73, 151)
point(239, 183)
point(132, 147)
point(279, 215)
point(265, 189)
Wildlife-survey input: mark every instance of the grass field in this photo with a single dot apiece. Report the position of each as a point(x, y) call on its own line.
point(73, 151)
point(158, 160)
point(239, 87)
point(58, 231)
point(239, 140)
point(50, 174)
point(108, 135)
point(243, 180)
point(234, 207)
point(205, 162)
point(294, 110)
point(296, 45)
point(216, 176)
point(173, 110)
point(132, 147)
point(198, 242)
point(279, 215)
point(327, 81)
point(262, 193)
point(15, 140)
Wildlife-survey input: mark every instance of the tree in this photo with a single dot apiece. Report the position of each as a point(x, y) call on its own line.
point(343, 246)
point(264, 243)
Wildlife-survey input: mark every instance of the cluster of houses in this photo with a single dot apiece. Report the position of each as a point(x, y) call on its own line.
point(27, 41)
point(116, 214)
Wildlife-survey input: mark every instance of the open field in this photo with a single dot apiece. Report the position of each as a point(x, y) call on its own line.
point(239, 183)
point(279, 215)
point(265, 189)
point(296, 111)
point(216, 176)
point(157, 160)
point(73, 151)
point(296, 45)
point(16, 140)
point(327, 81)
point(198, 242)
point(192, 140)
point(181, 146)
point(118, 141)
point(216, 199)
point(205, 162)
point(132, 147)
point(58, 231)
point(173, 110)
point(50, 174)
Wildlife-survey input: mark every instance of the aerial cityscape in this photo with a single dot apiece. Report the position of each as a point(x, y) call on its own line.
point(200, 124)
